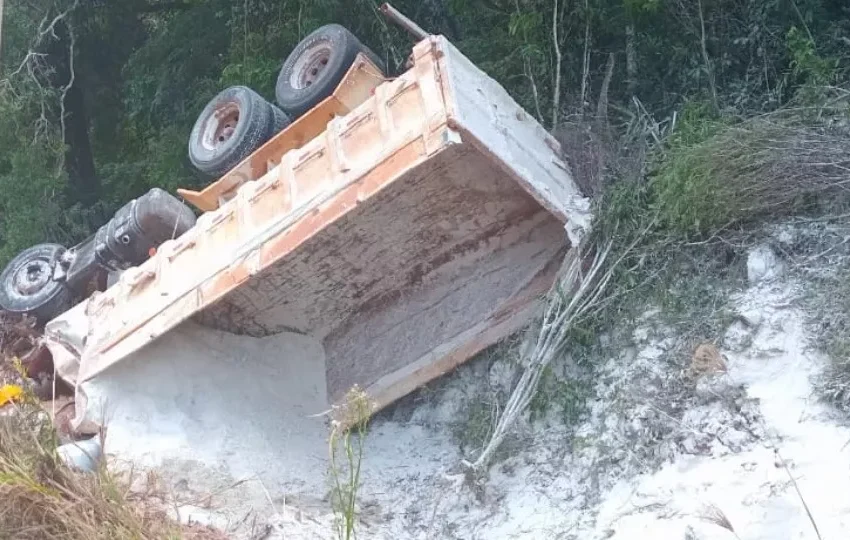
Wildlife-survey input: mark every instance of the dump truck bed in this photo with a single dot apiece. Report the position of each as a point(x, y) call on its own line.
point(415, 231)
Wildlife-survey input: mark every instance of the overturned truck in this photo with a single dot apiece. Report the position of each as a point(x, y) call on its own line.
point(405, 223)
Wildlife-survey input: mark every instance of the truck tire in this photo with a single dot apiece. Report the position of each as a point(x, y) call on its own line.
point(279, 120)
point(27, 285)
point(232, 125)
point(315, 67)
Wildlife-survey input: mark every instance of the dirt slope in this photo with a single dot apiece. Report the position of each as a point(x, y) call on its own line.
point(734, 444)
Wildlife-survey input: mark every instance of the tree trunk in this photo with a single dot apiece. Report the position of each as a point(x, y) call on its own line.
point(79, 162)
point(631, 59)
point(83, 183)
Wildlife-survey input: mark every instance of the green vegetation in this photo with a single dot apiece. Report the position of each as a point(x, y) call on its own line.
point(346, 444)
point(43, 498)
point(829, 301)
point(97, 98)
point(694, 122)
point(771, 165)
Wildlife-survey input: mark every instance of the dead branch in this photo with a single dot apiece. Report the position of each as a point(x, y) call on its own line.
point(27, 63)
point(72, 75)
point(585, 72)
point(799, 493)
point(51, 28)
point(1, 29)
point(35, 65)
point(33, 62)
point(526, 64)
point(715, 515)
point(573, 294)
point(602, 104)
point(709, 68)
point(556, 93)
point(631, 58)
point(602, 124)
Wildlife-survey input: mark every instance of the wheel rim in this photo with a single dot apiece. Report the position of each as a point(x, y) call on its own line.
point(310, 66)
point(32, 277)
point(220, 126)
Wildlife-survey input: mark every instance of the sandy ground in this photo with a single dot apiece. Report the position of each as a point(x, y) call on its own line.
point(218, 413)
point(655, 457)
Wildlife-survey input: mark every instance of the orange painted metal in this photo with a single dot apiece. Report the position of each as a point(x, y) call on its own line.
point(262, 221)
point(359, 225)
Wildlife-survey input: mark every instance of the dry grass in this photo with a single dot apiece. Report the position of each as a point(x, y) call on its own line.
point(714, 186)
point(43, 499)
point(715, 515)
point(762, 168)
point(817, 250)
point(574, 294)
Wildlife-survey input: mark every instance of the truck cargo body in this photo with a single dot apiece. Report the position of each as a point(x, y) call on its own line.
point(414, 231)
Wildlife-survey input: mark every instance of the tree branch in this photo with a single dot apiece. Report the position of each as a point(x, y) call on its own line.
point(585, 72)
point(43, 32)
point(51, 28)
point(1, 31)
point(602, 104)
point(72, 40)
point(631, 58)
point(712, 85)
point(530, 75)
point(602, 125)
point(556, 93)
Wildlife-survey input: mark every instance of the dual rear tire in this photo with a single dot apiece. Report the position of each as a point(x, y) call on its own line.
point(27, 286)
point(238, 121)
point(316, 66)
point(233, 125)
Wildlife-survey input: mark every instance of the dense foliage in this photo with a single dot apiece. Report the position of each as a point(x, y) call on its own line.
point(98, 97)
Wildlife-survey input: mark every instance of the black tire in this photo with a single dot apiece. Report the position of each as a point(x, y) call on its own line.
point(279, 120)
point(316, 66)
point(216, 145)
point(27, 287)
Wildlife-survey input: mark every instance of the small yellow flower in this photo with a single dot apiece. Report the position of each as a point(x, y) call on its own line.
point(9, 393)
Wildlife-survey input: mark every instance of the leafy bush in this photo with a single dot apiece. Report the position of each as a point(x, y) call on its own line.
point(771, 165)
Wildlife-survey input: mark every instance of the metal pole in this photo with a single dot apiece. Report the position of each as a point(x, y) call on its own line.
point(400, 19)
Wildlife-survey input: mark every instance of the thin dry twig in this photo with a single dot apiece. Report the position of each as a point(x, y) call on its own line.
point(585, 72)
point(799, 493)
point(526, 65)
point(556, 93)
point(72, 76)
point(573, 295)
point(709, 67)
